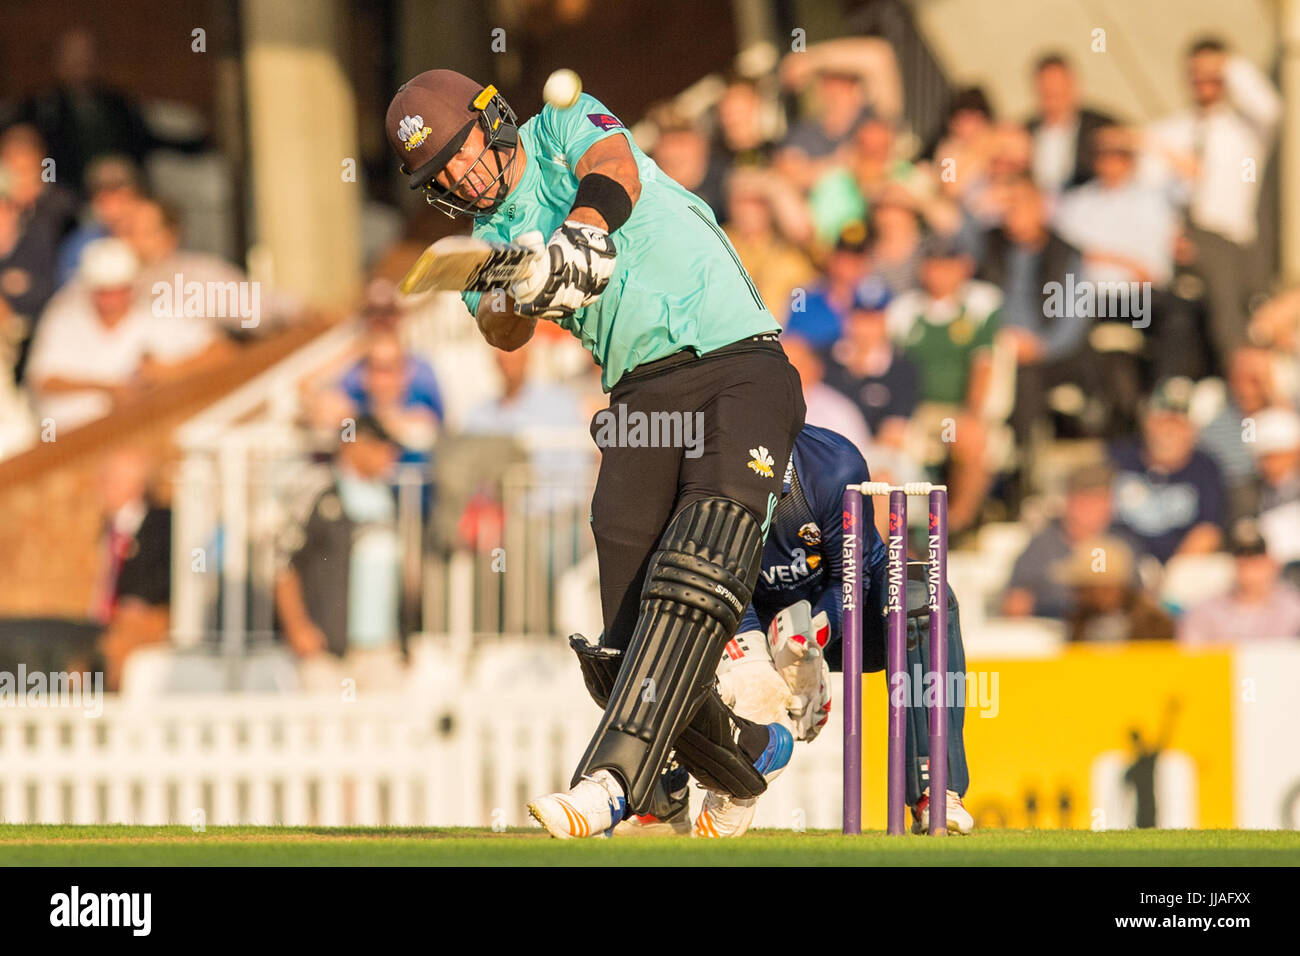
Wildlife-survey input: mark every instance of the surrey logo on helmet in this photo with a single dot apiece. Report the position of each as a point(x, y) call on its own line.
point(412, 131)
point(431, 118)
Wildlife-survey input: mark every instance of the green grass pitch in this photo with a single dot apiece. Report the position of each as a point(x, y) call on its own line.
point(23, 845)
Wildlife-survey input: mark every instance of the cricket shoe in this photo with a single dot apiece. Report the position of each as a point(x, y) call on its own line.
point(723, 815)
point(670, 808)
point(592, 808)
point(959, 819)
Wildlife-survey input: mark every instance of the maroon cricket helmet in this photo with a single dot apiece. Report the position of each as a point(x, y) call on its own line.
point(429, 120)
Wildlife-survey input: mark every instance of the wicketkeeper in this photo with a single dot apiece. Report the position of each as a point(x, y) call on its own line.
point(637, 269)
point(778, 666)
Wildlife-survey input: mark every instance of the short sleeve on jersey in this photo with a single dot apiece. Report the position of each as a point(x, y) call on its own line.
point(572, 131)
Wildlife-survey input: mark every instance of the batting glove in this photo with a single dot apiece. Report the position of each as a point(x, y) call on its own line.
point(574, 271)
point(750, 685)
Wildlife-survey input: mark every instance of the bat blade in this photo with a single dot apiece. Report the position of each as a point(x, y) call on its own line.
point(463, 263)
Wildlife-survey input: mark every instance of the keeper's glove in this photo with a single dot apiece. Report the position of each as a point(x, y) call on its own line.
point(797, 637)
point(571, 271)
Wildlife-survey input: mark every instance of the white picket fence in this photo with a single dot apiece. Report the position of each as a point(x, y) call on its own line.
point(473, 760)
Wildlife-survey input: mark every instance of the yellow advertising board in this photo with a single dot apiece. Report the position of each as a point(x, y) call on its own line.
point(1098, 737)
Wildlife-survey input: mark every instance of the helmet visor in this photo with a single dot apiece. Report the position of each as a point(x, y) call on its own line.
point(481, 187)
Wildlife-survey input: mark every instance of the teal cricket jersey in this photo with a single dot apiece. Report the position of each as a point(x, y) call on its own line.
point(678, 282)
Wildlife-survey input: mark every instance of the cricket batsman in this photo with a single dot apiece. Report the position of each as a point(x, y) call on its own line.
point(638, 270)
point(777, 668)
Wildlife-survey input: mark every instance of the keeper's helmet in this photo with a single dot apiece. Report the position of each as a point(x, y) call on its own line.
point(428, 122)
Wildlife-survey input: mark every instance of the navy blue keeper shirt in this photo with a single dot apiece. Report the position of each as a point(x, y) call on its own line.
point(803, 555)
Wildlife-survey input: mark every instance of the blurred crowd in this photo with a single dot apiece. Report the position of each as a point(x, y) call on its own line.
point(396, 478)
point(1068, 318)
point(348, 591)
point(96, 280)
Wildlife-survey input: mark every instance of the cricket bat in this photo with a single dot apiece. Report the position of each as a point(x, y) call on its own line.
point(466, 264)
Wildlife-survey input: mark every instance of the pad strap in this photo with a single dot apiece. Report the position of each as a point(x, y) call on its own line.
point(599, 665)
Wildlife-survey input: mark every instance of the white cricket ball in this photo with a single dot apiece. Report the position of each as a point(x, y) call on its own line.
point(562, 89)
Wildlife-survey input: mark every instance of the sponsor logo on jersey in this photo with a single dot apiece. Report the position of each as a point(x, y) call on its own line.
point(801, 566)
point(810, 534)
point(604, 120)
point(412, 131)
point(760, 461)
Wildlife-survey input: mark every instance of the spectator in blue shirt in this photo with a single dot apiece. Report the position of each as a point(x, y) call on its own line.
point(868, 368)
point(1168, 494)
point(113, 184)
point(388, 382)
point(818, 316)
point(1035, 587)
point(398, 389)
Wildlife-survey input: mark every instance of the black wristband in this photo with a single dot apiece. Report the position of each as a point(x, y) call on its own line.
point(605, 195)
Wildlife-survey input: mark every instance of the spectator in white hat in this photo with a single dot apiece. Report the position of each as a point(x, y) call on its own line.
point(96, 349)
point(153, 229)
point(1277, 459)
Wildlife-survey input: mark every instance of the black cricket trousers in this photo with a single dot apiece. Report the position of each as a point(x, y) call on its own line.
point(740, 406)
